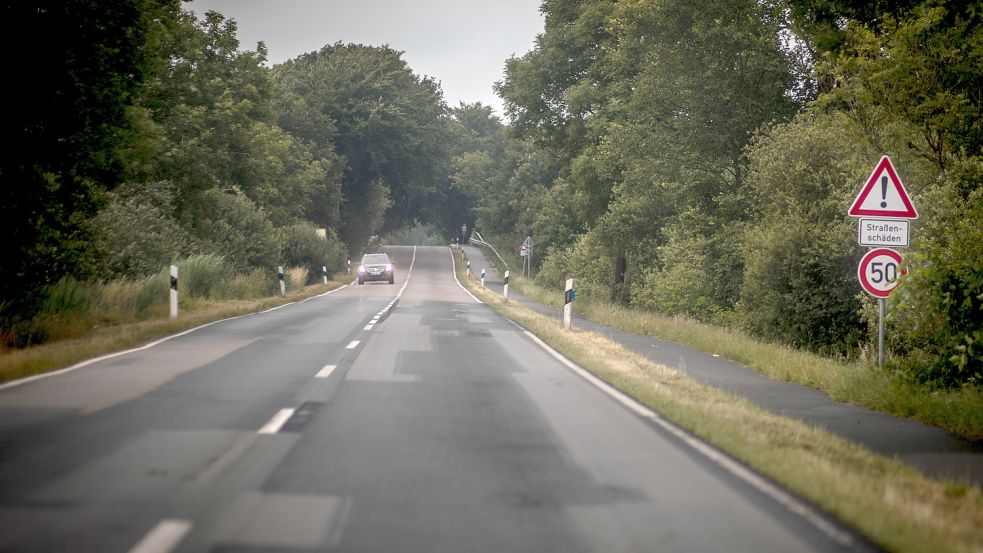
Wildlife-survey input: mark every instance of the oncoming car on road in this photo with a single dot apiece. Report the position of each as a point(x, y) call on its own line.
point(376, 266)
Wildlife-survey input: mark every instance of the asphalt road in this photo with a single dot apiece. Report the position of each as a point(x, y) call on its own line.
point(930, 449)
point(375, 418)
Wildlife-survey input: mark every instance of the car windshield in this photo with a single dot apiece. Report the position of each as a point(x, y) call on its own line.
point(375, 259)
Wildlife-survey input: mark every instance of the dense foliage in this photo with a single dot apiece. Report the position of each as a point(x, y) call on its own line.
point(145, 135)
point(696, 159)
point(699, 159)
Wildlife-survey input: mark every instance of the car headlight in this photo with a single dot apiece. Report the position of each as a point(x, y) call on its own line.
point(389, 267)
point(361, 268)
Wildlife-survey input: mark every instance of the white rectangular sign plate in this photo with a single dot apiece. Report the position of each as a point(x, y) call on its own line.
point(883, 232)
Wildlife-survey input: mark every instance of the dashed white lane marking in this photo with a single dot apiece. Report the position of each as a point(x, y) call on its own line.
point(325, 372)
point(276, 422)
point(353, 344)
point(738, 470)
point(367, 327)
point(164, 537)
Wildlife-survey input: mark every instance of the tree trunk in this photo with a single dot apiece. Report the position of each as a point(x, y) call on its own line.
point(618, 286)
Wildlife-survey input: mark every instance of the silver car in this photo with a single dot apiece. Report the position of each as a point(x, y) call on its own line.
point(376, 266)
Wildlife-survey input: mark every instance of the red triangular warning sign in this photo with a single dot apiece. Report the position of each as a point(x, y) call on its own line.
point(883, 195)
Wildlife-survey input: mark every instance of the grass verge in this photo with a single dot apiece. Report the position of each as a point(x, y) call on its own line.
point(889, 502)
point(957, 411)
point(21, 363)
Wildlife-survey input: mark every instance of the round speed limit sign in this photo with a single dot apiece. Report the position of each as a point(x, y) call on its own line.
point(879, 271)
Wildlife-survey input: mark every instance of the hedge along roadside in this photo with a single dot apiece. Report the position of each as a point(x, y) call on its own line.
point(889, 502)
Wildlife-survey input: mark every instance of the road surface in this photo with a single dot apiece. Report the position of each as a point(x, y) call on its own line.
point(928, 448)
point(402, 417)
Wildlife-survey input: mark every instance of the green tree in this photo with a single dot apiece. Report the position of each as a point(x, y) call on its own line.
point(231, 223)
point(61, 131)
point(136, 234)
point(392, 131)
point(303, 247)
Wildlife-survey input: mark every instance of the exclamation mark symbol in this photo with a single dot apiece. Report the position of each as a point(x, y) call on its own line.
point(884, 191)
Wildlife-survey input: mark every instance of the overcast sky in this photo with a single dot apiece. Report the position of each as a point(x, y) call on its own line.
point(461, 43)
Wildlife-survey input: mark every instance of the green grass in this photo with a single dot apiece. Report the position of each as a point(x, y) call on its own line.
point(84, 320)
point(889, 502)
point(958, 411)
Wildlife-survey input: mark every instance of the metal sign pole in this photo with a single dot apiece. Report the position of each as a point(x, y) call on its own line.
point(880, 333)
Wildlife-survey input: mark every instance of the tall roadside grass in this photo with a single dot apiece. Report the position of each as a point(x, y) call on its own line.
point(885, 500)
point(859, 382)
point(80, 320)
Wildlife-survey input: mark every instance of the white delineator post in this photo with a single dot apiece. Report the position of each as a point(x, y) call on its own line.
point(568, 304)
point(173, 291)
point(469, 268)
point(283, 285)
point(349, 266)
point(505, 290)
point(324, 273)
point(482, 279)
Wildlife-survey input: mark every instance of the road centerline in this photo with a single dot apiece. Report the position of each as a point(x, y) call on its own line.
point(277, 422)
point(164, 537)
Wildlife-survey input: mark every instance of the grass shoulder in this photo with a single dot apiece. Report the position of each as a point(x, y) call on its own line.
point(101, 340)
point(891, 503)
point(957, 411)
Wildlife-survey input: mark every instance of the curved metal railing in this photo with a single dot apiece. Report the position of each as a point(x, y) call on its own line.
point(476, 239)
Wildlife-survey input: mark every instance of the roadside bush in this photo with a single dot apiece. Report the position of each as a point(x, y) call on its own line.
point(136, 234)
point(696, 273)
point(200, 276)
point(232, 225)
point(303, 247)
point(586, 261)
point(937, 310)
point(257, 283)
point(800, 253)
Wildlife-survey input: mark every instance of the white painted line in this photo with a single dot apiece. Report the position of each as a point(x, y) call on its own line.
point(329, 292)
point(375, 319)
point(722, 460)
point(454, 272)
point(353, 344)
point(367, 327)
point(112, 355)
point(277, 422)
point(277, 307)
point(88, 362)
point(325, 372)
point(164, 537)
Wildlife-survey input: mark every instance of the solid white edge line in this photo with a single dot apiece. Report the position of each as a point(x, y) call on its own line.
point(164, 537)
point(325, 371)
point(722, 460)
point(277, 307)
point(329, 292)
point(87, 362)
point(353, 344)
point(454, 272)
point(277, 422)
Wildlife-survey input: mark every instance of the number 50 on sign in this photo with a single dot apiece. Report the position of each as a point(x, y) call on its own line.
point(879, 271)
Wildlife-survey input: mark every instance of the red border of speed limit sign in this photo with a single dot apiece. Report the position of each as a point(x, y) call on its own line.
point(862, 271)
